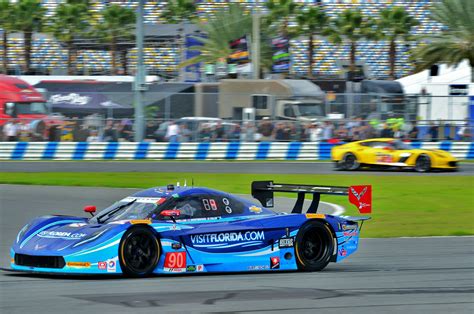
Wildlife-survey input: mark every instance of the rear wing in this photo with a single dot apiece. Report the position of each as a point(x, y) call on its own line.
point(359, 195)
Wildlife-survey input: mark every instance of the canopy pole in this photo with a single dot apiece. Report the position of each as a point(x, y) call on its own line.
point(139, 86)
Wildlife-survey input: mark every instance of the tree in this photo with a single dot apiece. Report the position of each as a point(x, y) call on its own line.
point(226, 25)
point(178, 11)
point(394, 24)
point(69, 22)
point(455, 43)
point(117, 25)
point(279, 15)
point(6, 23)
point(29, 16)
point(351, 26)
point(312, 22)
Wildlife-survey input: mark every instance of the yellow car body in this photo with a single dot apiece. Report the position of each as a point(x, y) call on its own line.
point(389, 152)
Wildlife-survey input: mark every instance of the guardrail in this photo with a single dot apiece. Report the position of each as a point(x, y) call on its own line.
point(193, 151)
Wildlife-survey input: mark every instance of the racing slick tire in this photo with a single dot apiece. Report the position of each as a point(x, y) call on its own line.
point(349, 162)
point(314, 246)
point(139, 251)
point(423, 163)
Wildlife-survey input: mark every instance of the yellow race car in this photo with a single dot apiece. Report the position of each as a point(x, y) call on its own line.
point(389, 152)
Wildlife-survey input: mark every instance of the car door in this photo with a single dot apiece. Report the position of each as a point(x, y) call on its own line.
point(222, 236)
point(379, 152)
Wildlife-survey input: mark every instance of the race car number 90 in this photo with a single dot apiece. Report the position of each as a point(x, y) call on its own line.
point(175, 260)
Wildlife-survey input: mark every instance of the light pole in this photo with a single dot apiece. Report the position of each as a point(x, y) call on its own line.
point(139, 87)
point(256, 43)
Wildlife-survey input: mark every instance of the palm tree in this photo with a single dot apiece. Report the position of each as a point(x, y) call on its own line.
point(280, 13)
point(351, 26)
point(394, 24)
point(69, 22)
point(6, 23)
point(117, 24)
point(29, 16)
point(226, 25)
point(178, 11)
point(455, 43)
point(312, 22)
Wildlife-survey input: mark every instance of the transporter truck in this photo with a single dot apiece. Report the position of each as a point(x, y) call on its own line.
point(22, 102)
point(242, 99)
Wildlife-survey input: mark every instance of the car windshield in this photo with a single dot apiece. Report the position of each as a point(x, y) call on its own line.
point(31, 108)
point(401, 145)
point(310, 110)
point(131, 208)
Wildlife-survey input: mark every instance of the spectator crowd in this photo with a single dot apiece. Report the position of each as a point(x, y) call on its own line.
point(216, 130)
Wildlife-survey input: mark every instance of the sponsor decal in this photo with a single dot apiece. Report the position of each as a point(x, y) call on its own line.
point(71, 98)
point(255, 209)
point(258, 267)
point(79, 264)
point(77, 224)
point(349, 227)
point(312, 216)
point(111, 266)
point(361, 196)
point(342, 251)
point(175, 262)
point(384, 158)
point(191, 268)
point(200, 268)
point(102, 265)
point(228, 237)
point(39, 247)
point(140, 221)
point(176, 246)
point(61, 235)
point(286, 242)
point(274, 262)
point(350, 233)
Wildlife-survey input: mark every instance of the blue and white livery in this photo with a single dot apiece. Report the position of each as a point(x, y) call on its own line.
point(169, 230)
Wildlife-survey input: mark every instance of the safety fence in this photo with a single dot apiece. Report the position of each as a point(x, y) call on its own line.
point(193, 151)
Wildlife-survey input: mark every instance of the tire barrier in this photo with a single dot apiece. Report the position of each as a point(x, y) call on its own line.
point(193, 151)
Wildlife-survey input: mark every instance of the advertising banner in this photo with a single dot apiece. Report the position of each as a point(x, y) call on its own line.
point(281, 55)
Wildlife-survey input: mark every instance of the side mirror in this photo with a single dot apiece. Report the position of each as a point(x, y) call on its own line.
point(172, 213)
point(90, 209)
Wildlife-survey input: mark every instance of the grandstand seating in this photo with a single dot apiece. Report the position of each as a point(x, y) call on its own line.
point(48, 54)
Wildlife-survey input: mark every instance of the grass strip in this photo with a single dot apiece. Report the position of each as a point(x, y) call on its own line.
point(403, 206)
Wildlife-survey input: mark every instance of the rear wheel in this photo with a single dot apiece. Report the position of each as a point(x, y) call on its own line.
point(423, 163)
point(139, 252)
point(349, 162)
point(314, 246)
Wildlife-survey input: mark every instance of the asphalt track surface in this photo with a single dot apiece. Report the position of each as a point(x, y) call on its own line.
point(417, 275)
point(208, 167)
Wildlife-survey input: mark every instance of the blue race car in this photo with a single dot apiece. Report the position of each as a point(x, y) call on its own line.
point(169, 230)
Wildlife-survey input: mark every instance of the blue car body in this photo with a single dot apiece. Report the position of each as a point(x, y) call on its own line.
point(241, 236)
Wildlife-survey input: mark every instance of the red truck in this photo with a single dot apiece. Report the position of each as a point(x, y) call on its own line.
point(21, 101)
point(18, 99)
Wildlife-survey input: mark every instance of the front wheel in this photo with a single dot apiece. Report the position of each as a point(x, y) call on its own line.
point(423, 163)
point(314, 246)
point(349, 162)
point(139, 252)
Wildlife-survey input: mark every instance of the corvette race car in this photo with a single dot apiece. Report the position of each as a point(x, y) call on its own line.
point(169, 230)
point(389, 152)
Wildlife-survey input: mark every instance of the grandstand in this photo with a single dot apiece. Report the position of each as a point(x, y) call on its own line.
point(47, 53)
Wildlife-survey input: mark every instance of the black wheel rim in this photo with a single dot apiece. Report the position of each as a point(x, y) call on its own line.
point(313, 247)
point(140, 252)
point(422, 163)
point(350, 161)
